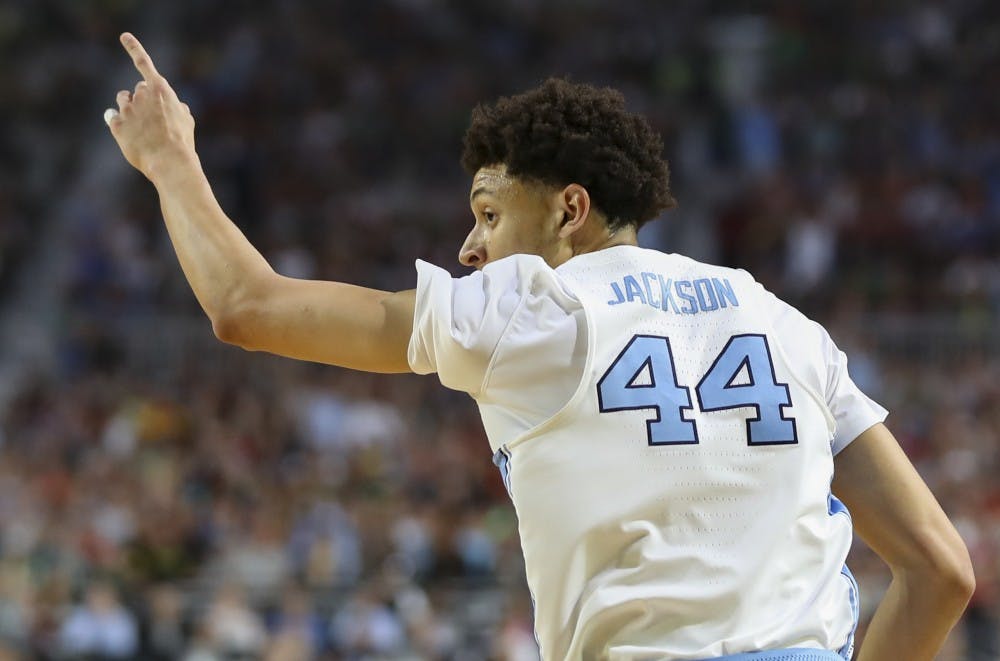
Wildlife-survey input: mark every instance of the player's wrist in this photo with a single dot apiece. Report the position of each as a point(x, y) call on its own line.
point(169, 163)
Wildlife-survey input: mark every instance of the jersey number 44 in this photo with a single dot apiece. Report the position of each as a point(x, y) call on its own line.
point(643, 376)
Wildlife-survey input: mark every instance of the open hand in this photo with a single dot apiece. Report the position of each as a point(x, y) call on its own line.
point(151, 124)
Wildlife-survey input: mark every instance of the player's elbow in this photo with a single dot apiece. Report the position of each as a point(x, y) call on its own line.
point(229, 328)
point(237, 316)
point(240, 326)
point(235, 322)
point(958, 574)
point(945, 566)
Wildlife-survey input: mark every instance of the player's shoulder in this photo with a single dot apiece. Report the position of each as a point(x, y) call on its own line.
point(507, 273)
point(682, 265)
point(504, 282)
point(520, 265)
point(520, 274)
point(717, 270)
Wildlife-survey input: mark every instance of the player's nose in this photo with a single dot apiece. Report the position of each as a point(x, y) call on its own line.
point(472, 253)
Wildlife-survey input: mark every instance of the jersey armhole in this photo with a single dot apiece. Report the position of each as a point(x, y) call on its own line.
point(581, 387)
point(484, 384)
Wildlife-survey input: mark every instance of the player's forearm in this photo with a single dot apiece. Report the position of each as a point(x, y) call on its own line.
point(915, 616)
point(218, 261)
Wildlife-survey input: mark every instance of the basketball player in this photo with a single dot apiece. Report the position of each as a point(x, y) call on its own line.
point(668, 430)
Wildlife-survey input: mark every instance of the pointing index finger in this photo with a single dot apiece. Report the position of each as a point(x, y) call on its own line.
point(140, 57)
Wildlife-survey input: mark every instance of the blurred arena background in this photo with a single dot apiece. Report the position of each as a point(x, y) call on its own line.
point(164, 496)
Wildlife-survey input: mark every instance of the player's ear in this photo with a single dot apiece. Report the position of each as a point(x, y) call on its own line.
point(574, 203)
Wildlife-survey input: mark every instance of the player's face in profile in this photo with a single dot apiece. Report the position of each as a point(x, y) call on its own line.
point(513, 216)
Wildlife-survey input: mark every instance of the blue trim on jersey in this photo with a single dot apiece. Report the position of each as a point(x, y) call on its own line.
point(836, 506)
point(501, 459)
point(789, 654)
point(854, 595)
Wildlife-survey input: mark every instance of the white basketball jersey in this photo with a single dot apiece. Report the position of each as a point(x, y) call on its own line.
point(666, 430)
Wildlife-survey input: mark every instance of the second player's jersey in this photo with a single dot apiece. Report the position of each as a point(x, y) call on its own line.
point(666, 430)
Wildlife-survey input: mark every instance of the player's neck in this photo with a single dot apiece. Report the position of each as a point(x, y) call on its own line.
point(591, 238)
point(607, 238)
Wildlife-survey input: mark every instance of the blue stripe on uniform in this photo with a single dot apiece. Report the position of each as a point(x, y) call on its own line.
point(853, 594)
point(501, 459)
point(835, 507)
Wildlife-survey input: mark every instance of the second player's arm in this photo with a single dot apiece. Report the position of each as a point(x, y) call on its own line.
point(252, 306)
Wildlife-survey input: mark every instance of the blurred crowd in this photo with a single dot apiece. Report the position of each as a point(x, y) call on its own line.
point(163, 496)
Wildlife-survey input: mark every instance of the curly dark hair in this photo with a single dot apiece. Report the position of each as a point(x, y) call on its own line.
point(561, 133)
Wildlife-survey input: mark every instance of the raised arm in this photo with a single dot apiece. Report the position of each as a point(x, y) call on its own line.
point(249, 304)
point(895, 513)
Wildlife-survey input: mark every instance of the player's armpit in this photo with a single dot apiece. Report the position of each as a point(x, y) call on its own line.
point(326, 322)
point(897, 515)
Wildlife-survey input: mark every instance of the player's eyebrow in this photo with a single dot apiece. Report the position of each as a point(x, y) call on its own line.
point(482, 190)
